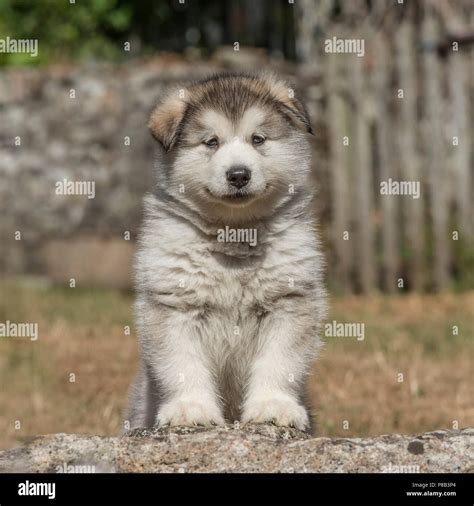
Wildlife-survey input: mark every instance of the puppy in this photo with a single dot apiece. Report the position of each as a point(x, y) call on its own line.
point(228, 274)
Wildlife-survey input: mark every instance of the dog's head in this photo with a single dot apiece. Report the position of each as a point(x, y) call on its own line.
point(234, 144)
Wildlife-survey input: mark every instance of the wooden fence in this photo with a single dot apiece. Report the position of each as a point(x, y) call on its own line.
point(398, 117)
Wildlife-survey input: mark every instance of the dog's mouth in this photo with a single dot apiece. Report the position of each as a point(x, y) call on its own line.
point(236, 197)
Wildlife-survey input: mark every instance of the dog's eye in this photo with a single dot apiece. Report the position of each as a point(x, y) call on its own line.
point(257, 139)
point(212, 142)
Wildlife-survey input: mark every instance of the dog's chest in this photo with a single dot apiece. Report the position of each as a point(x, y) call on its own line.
point(210, 278)
point(240, 288)
point(249, 285)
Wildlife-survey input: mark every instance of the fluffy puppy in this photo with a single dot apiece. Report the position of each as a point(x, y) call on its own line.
point(229, 273)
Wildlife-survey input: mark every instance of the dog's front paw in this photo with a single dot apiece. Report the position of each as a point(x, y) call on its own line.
point(189, 413)
point(284, 411)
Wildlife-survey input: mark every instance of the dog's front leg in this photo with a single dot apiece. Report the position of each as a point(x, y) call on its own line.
point(287, 345)
point(177, 358)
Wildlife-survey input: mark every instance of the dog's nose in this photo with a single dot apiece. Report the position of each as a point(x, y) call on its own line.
point(238, 176)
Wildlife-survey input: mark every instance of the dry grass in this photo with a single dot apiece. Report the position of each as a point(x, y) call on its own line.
point(82, 333)
point(357, 381)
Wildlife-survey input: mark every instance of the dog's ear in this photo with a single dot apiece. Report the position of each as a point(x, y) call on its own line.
point(291, 106)
point(166, 118)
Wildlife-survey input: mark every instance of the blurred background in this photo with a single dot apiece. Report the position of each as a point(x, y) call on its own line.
point(403, 266)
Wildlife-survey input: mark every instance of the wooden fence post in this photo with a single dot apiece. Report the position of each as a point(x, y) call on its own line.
point(461, 138)
point(387, 168)
point(408, 124)
point(362, 196)
point(337, 118)
point(435, 149)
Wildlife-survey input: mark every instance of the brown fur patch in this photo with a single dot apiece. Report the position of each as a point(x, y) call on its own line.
point(165, 119)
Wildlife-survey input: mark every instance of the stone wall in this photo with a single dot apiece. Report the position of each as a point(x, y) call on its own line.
point(258, 448)
point(47, 136)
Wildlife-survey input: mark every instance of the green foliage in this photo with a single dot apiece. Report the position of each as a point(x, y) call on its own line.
point(65, 30)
